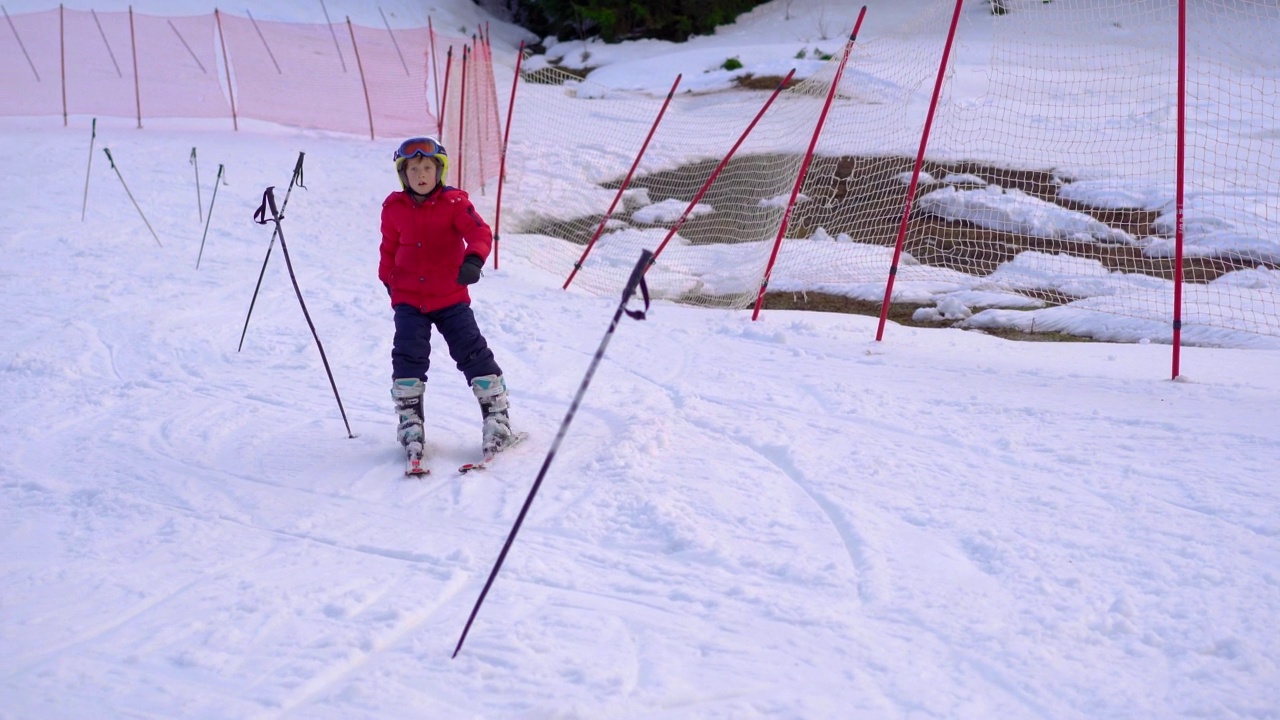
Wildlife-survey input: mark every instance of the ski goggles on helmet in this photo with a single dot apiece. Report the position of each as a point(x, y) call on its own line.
point(424, 146)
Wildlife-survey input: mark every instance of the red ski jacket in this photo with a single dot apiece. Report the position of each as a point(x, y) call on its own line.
point(423, 247)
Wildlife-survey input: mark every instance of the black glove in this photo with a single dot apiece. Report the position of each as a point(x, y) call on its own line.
point(469, 273)
point(388, 287)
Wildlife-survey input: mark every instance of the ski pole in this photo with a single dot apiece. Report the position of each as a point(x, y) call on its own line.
point(212, 200)
point(126, 191)
point(296, 179)
point(636, 279)
point(93, 135)
point(199, 202)
point(269, 203)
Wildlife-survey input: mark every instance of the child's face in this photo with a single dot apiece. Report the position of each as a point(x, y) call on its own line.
point(421, 173)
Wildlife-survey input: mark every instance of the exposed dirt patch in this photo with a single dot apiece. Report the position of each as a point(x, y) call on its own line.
point(863, 197)
point(900, 313)
point(554, 75)
point(762, 82)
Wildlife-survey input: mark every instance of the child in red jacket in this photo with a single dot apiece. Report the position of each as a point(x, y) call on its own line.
point(433, 246)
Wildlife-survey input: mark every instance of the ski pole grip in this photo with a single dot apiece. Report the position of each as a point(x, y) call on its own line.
point(297, 170)
point(268, 203)
point(637, 274)
point(109, 158)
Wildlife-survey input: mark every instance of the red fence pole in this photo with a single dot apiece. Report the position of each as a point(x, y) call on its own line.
point(360, 67)
point(394, 44)
point(334, 34)
point(915, 173)
point(444, 98)
point(435, 79)
point(18, 38)
point(476, 54)
point(494, 121)
point(625, 182)
point(226, 65)
point(723, 162)
point(462, 117)
point(804, 166)
point(502, 154)
point(137, 90)
point(1178, 199)
point(62, 54)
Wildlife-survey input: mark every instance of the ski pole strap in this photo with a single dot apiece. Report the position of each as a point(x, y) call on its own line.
point(644, 292)
point(637, 279)
point(268, 201)
point(297, 172)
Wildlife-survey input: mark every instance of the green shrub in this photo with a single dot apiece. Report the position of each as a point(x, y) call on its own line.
point(616, 20)
point(732, 63)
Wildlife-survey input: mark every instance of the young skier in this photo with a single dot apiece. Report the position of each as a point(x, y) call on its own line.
point(433, 246)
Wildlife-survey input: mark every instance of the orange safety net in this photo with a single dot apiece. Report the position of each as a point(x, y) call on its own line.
point(471, 125)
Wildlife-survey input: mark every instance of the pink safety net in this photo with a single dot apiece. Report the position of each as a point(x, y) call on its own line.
point(30, 55)
point(83, 63)
point(314, 76)
point(377, 82)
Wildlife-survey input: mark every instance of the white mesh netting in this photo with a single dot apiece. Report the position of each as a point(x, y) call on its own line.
point(1049, 178)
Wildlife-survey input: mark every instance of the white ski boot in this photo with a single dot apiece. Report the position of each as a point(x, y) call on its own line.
point(408, 393)
point(491, 391)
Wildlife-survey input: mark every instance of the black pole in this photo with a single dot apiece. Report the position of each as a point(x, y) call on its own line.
point(92, 136)
point(296, 179)
point(269, 203)
point(196, 164)
point(636, 279)
point(212, 200)
point(126, 192)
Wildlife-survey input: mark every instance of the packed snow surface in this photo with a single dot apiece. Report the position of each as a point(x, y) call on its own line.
point(773, 519)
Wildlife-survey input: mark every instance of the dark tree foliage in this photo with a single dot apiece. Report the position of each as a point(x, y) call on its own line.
point(617, 20)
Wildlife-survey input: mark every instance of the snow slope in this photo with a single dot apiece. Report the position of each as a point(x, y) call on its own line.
point(773, 519)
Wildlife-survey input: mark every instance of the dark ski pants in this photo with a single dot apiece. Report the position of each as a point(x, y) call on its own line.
point(411, 349)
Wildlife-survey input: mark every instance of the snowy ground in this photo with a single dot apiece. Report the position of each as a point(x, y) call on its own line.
point(773, 519)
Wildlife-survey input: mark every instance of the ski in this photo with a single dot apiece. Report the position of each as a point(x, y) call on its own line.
point(484, 464)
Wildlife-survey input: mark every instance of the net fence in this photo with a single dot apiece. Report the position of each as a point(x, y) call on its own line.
point(1049, 177)
point(342, 77)
point(1048, 181)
